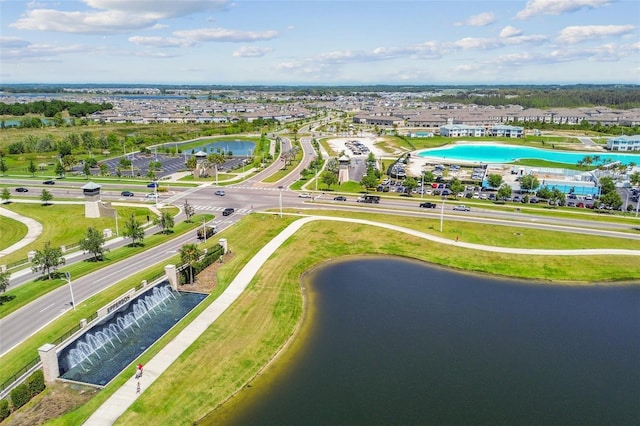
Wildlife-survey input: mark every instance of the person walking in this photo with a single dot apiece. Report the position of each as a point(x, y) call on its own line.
point(139, 370)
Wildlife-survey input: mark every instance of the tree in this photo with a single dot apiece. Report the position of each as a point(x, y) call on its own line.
point(93, 243)
point(3, 166)
point(545, 193)
point(607, 185)
point(86, 169)
point(370, 180)
point(151, 175)
point(6, 195)
point(32, 168)
point(504, 192)
point(189, 211)
point(529, 183)
point(4, 281)
point(45, 197)
point(191, 163)
point(456, 186)
point(612, 199)
point(328, 178)
point(165, 221)
point(104, 169)
point(47, 260)
point(189, 254)
point(410, 183)
point(495, 180)
point(133, 229)
point(60, 170)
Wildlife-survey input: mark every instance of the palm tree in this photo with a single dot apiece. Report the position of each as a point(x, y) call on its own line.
point(189, 254)
point(216, 159)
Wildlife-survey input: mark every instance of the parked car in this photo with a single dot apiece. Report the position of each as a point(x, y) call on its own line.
point(340, 198)
point(49, 182)
point(304, 195)
point(126, 194)
point(461, 208)
point(220, 192)
point(228, 211)
point(428, 205)
point(152, 185)
point(22, 189)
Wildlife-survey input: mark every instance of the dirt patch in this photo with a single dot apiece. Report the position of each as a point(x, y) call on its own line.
point(58, 399)
point(207, 280)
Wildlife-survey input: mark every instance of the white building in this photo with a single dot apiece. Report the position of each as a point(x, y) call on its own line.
point(624, 143)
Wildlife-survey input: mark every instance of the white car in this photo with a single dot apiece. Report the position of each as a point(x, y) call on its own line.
point(461, 208)
point(304, 195)
point(152, 195)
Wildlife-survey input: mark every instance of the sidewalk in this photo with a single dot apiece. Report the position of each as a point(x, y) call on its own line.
point(122, 399)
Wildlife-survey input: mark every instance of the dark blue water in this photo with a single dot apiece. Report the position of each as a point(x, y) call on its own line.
point(237, 147)
point(396, 342)
point(105, 350)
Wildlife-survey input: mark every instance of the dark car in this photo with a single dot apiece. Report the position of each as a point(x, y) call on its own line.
point(152, 185)
point(220, 192)
point(126, 194)
point(428, 205)
point(49, 182)
point(340, 198)
point(22, 190)
point(228, 211)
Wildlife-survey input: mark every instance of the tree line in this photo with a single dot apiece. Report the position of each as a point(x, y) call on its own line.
point(51, 108)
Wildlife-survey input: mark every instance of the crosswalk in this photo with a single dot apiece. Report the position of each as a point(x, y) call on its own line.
point(219, 209)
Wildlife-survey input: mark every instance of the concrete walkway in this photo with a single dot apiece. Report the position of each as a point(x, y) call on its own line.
point(34, 229)
point(120, 401)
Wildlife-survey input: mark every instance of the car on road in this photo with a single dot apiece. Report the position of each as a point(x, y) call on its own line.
point(461, 208)
point(49, 182)
point(228, 211)
point(340, 198)
point(22, 189)
point(304, 195)
point(152, 185)
point(220, 192)
point(152, 195)
point(126, 194)
point(428, 205)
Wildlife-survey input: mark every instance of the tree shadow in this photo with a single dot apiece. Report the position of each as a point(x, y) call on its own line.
point(6, 298)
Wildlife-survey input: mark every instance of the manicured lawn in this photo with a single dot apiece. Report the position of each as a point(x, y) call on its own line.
point(11, 230)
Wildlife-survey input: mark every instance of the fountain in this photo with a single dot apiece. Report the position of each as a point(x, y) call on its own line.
point(103, 351)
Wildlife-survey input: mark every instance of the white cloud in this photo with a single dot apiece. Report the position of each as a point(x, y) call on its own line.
point(480, 20)
point(558, 7)
point(159, 41)
point(509, 31)
point(223, 34)
point(478, 43)
point(111, 15)
point(251, 52)
point(576, 34)
point(466, 68)
point(43, 52)
point(13, 42)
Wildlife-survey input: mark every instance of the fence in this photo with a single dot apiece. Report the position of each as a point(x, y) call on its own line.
point(11, 381)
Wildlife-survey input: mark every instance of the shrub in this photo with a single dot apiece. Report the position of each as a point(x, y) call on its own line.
point(4, 409)
point(20, 396)
point(35, 383)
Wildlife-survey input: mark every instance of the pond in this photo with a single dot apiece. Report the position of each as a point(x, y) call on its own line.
point(394, 341)
point(238, 148)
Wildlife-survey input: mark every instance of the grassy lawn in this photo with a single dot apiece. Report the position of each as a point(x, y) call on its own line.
point(66, 224)
point(26, 293)
point(12, 231)
point(281, 173)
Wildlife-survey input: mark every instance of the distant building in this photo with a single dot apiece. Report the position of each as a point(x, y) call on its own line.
point(461, 130)
point(507, 131)
point(624, 143)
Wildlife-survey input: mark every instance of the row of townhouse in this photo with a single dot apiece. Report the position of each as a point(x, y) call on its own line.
point(463, 130)
point(624, 143)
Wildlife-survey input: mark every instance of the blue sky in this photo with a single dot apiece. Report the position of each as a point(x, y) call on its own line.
point(320, 42)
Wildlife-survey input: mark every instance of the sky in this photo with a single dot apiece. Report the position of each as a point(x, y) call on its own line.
point(320, 42)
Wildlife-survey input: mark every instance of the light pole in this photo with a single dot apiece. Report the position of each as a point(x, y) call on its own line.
point(442, 214)
point(316, 178)
point(280, 188)
point(67, 276)
point(204, 230)
point(117, 232)
point(422, 187)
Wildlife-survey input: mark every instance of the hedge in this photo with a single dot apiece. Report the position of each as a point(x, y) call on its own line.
point(35, 383)
point(19, 396)
point(4, 409)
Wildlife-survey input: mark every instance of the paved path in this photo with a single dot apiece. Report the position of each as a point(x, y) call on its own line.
point(34, 229)
point(120, 401)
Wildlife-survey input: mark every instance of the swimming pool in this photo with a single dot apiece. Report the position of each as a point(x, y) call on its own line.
point(494, 153)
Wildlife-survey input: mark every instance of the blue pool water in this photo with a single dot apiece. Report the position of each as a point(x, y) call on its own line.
point(492, 153)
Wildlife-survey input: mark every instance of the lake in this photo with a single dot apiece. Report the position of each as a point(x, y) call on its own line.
point(394, 341)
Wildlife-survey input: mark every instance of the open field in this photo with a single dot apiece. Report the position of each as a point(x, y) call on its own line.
point(11, 230)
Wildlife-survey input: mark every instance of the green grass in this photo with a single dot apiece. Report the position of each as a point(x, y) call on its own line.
point(12, 231)
point(66, 224)
point(281, 173)
point(26, 293)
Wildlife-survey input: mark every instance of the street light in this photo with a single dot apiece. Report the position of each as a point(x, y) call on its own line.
point(316, 178)
point(280, 188)
point(67, 276)
point(117, 233)
point(442, 214)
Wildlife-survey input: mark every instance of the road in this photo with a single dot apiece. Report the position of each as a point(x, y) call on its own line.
point(254, 195)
